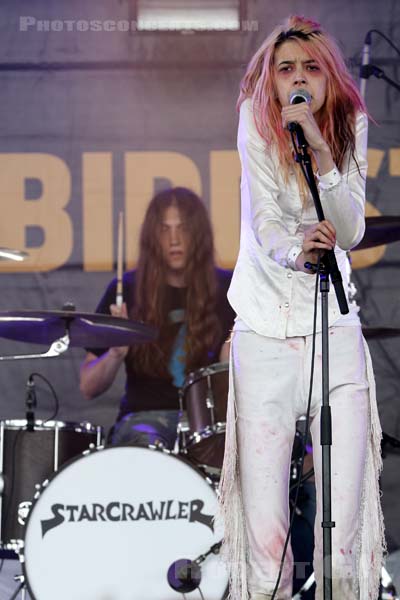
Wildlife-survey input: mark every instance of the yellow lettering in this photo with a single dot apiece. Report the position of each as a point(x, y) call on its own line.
point(394, 162)
point(46, 212)
point(370, 256)
point(375, 158)
point(225, 205)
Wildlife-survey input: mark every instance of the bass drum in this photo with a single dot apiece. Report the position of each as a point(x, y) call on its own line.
point(110, 524)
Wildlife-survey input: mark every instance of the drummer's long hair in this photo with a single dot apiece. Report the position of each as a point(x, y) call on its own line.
point(150, 302)
point(336, 118)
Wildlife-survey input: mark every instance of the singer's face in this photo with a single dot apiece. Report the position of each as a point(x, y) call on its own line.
point(174, 239)
point(295, 69)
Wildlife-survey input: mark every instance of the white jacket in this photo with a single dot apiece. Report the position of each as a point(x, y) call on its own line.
point(269, 296)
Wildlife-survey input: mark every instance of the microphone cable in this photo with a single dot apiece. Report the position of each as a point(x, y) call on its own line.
point(385, 37)
point(306, 431)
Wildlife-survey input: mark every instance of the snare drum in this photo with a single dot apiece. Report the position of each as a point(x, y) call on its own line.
point(110, 524)
point(27, 458)
point(205, 394)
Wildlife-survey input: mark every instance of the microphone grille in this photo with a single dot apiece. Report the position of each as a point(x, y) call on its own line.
point(298, 96)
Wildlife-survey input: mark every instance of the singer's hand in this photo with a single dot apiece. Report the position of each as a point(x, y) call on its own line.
point(317, 238)
point(119, 311)
point(302, 114)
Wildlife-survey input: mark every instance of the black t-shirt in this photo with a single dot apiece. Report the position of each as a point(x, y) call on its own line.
point(151, 393)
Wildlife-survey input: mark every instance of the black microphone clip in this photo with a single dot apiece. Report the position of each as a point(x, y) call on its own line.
point(30, 403)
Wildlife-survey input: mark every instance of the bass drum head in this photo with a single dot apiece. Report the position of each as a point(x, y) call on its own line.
point(109, 525)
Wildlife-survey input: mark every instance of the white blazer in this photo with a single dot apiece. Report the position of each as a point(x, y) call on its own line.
point(269, 296)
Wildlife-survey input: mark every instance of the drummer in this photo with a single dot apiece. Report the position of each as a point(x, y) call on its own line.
point(178, 289)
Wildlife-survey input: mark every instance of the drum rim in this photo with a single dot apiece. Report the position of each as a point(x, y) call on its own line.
point(45, 484)
point(45, 425)
point(213, 369)
point(198, 436)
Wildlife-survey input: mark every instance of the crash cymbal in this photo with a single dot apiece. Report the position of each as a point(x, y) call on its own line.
point(86, 330)
point(9, 254)
point(372, 333)
point(379, 231)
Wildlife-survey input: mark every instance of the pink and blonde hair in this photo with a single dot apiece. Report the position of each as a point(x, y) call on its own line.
point(336, 118)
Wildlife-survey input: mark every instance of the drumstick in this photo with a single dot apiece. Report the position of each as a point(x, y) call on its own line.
point(118, 299)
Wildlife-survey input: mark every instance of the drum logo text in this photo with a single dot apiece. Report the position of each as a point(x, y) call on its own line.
point(164, 510)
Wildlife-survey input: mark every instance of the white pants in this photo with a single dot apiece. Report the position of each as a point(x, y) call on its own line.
point(271, 380)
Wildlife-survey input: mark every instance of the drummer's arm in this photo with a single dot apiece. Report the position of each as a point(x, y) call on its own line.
point(98, 372)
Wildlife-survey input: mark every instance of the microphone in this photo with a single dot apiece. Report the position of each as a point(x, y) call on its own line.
point(297, 97)
point(184, 575)
point(30, 403)
point(364, 71)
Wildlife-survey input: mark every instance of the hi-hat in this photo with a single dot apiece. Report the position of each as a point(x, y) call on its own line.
point(86, 330)
point(379, 231)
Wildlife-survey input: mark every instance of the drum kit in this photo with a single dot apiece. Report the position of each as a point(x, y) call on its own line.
point(91, 522)
point(115, 523)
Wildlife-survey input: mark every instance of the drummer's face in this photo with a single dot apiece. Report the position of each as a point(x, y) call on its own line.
point(174, 239)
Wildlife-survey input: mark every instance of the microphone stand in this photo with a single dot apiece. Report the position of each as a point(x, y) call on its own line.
point(328, 269)
point(367, 70)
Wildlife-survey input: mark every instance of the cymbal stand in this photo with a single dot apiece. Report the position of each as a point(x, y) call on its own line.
point(21, 588)
point(57, 347)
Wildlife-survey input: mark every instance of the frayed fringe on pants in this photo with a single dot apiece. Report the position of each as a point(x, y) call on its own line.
point(241, 507)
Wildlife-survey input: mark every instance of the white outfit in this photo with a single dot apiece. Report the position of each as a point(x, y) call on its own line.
point(269, 375)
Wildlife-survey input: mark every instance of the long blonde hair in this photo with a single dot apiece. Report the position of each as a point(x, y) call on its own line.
point(336, 118)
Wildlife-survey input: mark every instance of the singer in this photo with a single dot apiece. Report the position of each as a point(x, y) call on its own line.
point(272, 293)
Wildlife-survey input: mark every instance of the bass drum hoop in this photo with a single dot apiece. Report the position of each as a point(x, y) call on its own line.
point(45, 425)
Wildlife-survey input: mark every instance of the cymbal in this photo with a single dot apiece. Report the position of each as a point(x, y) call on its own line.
point(379, 231)
point(371, 333)
point(86, 330)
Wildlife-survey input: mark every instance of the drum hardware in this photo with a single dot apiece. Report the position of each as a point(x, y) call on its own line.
point(182, 427)
point(210, 401)
point(184, 575)
point(387, 589)
point(21, 588)
point(71, 328)
point(10, 254)
point(30, 403)
point(58, 347)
